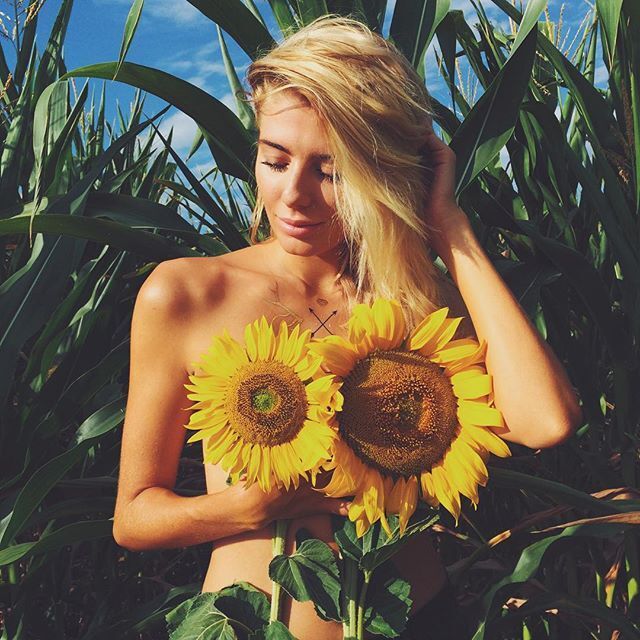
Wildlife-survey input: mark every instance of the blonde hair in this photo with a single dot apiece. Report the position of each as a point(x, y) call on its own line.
point(376, 112)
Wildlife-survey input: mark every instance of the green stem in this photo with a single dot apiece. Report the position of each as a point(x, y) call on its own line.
point(350, 594)
point(278, 540)
point(362, 600)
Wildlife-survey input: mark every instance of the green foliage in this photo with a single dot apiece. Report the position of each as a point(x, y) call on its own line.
point(549, 174)
point(311, 573)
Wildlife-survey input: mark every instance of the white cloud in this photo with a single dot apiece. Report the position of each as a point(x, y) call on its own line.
point(601, 75)
point(184, 131)
point(201, 66)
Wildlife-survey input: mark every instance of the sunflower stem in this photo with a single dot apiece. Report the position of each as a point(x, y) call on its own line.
point(278, 543)
point(350, 591)
point(362, 600)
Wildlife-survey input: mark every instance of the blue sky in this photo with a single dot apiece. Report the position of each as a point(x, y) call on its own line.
point(173, 36)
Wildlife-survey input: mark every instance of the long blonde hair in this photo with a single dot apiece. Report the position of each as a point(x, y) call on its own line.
point(376, 111)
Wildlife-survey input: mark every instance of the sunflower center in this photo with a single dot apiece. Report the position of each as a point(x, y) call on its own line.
point(399, 413)
point(264, 400)
point(266, 403)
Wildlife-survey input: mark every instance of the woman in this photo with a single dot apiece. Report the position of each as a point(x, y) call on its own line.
point(344, 129)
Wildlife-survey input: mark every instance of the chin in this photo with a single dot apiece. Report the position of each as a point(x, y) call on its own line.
point(298, 247)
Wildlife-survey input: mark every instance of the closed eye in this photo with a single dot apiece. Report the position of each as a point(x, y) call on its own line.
point(279, 167)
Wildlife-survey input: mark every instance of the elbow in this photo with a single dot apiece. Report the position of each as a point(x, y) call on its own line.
point(559, 430)
point(122, 536)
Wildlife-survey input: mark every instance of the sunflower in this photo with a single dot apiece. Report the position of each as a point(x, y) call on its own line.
point(266, 409)
point(417, 414)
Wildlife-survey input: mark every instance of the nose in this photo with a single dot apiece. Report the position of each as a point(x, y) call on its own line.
point(297, 190)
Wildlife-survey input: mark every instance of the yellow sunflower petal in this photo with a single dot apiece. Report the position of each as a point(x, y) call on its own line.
point(458, 474)
point(446, 494)
point(264, 474)
point(338, 354)
point(348, 472)
point(426, 329)
point(253, 466)
point(471, 387)
point(282, 341)
point(408, 502)
point(251, 332)
point(455, 350)
point(373, 495)
point(266, 340)
point(485, 438)
point(207, 432)
point(475, 465)
point(389, 323)
point(428, 489)
point(322, 391)
point(224, 356)
point(361, 324)
point(308, 366)
point(358, 515)
point(218, 444)
point(475, 358)
point(479, 413)
point(291, 352)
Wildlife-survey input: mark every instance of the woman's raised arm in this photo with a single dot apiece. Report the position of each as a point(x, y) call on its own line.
point(531, 387)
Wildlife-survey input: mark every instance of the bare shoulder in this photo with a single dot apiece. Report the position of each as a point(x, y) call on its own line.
point(452, 298)
point(174, 286)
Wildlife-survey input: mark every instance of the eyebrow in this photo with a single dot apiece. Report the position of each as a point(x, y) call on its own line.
point(275, 145)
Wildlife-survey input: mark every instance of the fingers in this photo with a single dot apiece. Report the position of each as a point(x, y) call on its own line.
point(339, 506)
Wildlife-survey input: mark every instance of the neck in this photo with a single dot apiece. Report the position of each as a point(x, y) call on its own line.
point(313, 275)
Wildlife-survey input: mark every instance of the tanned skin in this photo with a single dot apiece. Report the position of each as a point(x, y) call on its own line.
point(185, 302)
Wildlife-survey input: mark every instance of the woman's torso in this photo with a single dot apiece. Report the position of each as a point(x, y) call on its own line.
point(245, 289)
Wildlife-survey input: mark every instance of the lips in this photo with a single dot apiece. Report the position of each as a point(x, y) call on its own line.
point(299, 223)
point(298, 228)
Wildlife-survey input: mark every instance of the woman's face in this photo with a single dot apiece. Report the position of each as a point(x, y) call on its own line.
point(293, 173)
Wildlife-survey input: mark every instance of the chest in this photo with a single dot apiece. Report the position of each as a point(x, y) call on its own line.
point(245, 301)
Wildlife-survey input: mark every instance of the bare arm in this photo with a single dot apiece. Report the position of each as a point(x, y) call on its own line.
point(149, 514)
point(531, 387)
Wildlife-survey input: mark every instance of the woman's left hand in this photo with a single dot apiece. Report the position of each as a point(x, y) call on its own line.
point(442, 213)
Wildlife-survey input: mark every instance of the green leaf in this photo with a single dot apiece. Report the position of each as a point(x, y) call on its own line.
point(586, 608)
point(238, 21)
point(179, 614)
point(273, 631)
point(102, 421)
point(229, 234)
point(230, 142)
point(246, 114)
point(609, 14)
point(375, 547)
point(557, 490)
point(71, 534)
point(47, 476)
point(528, 564)
point(388, 607)
point(242, 601)
point(311, 573)
point(202, 621)
point(29, 296)
point(130, 26)
point(490, 123)
point(413, 25)
point(588, 285)
point(16, 140)
point(117, 235)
